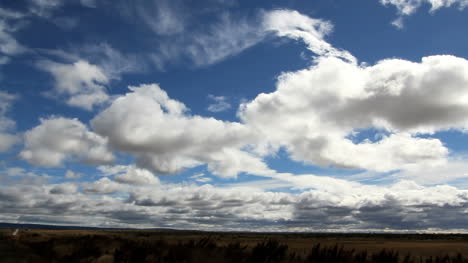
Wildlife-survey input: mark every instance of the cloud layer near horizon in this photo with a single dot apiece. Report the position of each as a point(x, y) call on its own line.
point(333, 205)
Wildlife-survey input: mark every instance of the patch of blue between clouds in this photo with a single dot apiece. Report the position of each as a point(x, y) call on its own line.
point(371, 135)
point(456, 141)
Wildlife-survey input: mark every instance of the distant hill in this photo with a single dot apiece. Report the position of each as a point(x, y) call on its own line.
point(373, 235)
point(59, 227)
point(52, 227)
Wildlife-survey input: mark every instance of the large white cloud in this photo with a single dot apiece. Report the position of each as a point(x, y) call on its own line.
point(58, 139)
point(314, 111)
point(81, 83)
point(454, 172)
point(166, 138)
point(314, 114)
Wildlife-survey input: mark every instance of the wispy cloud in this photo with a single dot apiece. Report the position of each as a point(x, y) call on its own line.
point(228, 36)
point(409, 7)
point(292, 24)
point(69, 174)
point(46, 8)
point(219, 103)
point(89, 3)
point(7, 125)
point(232, 34)
point(201, 178)
point(164, 17)
point(10, 22)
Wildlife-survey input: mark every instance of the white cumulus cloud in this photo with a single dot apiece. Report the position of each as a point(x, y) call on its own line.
point(81, 83)
point(313, 111)
point(58, 139)
point(166, 138)
point(130, 175)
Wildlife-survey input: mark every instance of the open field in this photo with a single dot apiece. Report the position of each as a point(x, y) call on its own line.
point(193, 246)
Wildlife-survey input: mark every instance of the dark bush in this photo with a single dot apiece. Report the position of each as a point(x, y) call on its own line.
point(385, 256)
point(330, 254)
point(133, 248)
point(268, 252)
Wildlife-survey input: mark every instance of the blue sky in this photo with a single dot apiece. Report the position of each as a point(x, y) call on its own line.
point(235, 115)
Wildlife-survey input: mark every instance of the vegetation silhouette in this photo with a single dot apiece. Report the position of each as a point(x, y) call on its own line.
point(149, 247)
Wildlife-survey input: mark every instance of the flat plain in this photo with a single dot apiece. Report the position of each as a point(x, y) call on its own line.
point(36, 245)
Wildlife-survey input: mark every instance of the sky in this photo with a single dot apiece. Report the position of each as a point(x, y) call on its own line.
point(233, 115)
